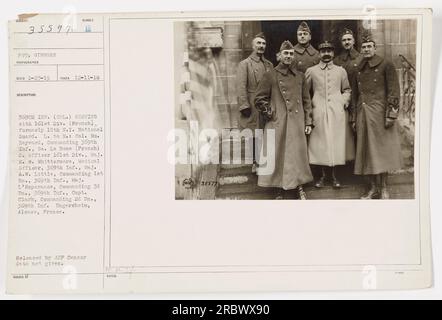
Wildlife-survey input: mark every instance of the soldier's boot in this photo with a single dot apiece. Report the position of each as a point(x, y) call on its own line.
point(321, 181)
point(302, 194)
point(336, 183)
point(384, 189)
point(373, 192)
point(279, 194)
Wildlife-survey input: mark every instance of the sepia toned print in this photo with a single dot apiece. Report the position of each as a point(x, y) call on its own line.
point(358, 119)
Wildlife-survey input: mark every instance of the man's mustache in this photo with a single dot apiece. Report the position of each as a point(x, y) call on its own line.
point(326, 56)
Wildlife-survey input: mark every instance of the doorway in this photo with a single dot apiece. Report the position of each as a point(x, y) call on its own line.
point(280, 30)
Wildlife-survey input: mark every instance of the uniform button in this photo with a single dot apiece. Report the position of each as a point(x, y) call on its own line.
point(375, 70)
point(375, 80)
point(296, 111)
point(359, 82)
point(359, 72)
point(297, 101)
point(287, 100)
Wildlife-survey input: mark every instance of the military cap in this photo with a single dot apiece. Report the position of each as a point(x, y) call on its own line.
point(260, 35)
point(346, 31)
point(304, 27)
point(367, 37)
point(286, 45)
point(326, 45)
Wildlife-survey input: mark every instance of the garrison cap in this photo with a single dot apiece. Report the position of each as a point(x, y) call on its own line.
point(304, 27)
point(260, 35)
point(286, 45)
point(346, 31)
point(367, 37)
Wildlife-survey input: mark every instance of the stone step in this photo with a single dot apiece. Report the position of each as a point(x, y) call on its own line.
point(228, 170)
point(226, 177)
point(245, 187)
point(326, 193)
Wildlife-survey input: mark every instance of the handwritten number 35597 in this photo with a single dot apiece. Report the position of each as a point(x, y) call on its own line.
point(49, 28)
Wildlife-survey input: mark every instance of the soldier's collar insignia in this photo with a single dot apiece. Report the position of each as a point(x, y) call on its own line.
point(324, 65)
point(311, 51)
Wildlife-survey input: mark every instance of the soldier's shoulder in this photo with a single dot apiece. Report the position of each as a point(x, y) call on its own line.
point(244, 61)
point(338, 59)
point(314, 50)
point(269, 74)
point(387, 62)
point(268, 62)
point(313, 68)
point(298, 73)
point(339, 67)
point(341, 70)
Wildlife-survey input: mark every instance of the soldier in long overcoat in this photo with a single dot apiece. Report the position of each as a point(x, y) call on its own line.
point(283, 97)
point(328, 144)
point(249, 74)
point(306, 55)
point(377, 95)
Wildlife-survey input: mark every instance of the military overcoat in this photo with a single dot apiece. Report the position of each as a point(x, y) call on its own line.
point(329, 145)
point(249, 74)
point(377, 95)
point(305, 57)
point(286, 92)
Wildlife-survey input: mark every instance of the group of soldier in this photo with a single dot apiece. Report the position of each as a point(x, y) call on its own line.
point(325, 110)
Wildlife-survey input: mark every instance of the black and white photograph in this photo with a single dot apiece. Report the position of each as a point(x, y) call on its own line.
point(295, 109)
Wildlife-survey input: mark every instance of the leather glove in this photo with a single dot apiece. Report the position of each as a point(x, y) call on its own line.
point(246, 112)
point(267, 112)
point(389, 122)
